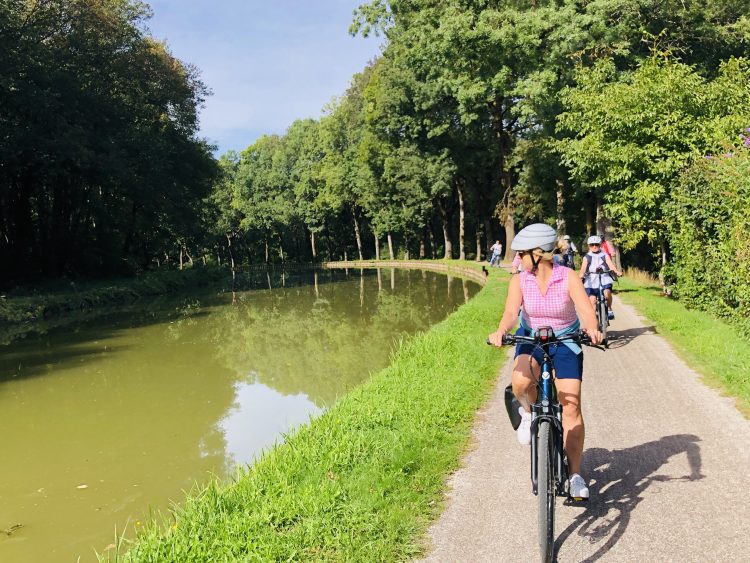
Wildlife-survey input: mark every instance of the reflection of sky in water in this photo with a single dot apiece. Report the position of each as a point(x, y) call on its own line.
point(259, 418)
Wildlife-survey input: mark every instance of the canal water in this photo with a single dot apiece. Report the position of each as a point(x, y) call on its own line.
point(109, 419)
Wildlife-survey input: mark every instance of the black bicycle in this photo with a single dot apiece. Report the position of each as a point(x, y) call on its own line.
point(549, 463)
point(602, 309)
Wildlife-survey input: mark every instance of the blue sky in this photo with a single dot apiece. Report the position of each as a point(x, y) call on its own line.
point(268, 62)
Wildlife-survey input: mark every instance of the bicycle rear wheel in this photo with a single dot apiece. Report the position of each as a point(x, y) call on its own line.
point(546, 491)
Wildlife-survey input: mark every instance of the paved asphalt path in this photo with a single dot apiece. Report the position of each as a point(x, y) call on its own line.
point(667, 459)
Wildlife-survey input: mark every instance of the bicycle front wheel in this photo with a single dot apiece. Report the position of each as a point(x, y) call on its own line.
point(603, 319)
point(546, 490)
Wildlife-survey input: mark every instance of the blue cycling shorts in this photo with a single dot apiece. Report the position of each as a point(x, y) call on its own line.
point(568, 364)
point(593, 292)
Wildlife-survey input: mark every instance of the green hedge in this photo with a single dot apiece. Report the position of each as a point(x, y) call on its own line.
point(710, 236)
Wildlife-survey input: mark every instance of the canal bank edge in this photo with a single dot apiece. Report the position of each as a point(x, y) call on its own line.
point(40, 306)
point(470, 270)
point(363, 481)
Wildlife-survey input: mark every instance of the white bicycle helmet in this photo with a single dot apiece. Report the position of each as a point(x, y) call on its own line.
point(534, 236)
point(595, 239)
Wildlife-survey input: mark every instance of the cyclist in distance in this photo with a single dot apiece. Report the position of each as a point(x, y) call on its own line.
point(549, 295)
point(593, 260)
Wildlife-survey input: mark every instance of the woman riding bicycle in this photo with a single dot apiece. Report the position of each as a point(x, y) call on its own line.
point(550, 295)
point(595, 259)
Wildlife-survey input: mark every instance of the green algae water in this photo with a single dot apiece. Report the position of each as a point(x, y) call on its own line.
point(106, 421)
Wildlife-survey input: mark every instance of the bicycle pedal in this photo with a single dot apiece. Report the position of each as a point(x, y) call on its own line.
point(579, 499)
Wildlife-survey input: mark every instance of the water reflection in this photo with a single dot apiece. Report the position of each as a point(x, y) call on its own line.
point(105, 419)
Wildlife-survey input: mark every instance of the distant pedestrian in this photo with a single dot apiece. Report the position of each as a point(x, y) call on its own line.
point(570, 242)
point(567, 252)
point(497, 252)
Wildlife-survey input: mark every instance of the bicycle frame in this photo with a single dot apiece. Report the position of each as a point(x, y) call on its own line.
point(547, 408)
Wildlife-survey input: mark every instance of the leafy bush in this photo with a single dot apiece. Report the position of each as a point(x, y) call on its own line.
point(710, 234)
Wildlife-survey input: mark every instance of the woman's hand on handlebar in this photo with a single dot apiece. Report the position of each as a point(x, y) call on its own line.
point(496, 338)
point(594, 335)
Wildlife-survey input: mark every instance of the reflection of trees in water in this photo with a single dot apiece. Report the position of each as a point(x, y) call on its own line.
point(322, 346)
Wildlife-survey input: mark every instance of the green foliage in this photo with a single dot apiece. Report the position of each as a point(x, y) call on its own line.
point(710, 235)
point(633, 134)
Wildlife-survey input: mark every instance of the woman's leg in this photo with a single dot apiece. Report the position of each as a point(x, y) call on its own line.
point(574, 431)
point(524, 382)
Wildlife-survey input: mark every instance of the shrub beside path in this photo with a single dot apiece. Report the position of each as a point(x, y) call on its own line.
point(666, 457)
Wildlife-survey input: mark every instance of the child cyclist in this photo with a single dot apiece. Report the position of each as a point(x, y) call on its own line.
point(549, 295)
point(594, 259)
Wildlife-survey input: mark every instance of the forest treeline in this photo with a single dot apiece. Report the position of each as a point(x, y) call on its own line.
point(478, 117)
point(100, 169)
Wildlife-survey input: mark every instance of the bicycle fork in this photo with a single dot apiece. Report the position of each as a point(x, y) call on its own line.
point(546, 410)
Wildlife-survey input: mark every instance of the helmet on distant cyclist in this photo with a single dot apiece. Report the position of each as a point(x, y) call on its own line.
point(595, 239)
point(534, 236)
point(566, 237)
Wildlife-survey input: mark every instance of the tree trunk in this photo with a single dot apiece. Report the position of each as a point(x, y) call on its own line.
point(421, 249)
point(461, 222)
point(604, 227)
point(266, 248)
point(510, 233)
point(560, 208)
point(357, 232)
point(664, 259)
point(231, 257)
point(390, 246)
point(488, 233)
point(433, 250)
point(180, 258)
point(406, 247)
point(377, 246)
point(590, 220)
point(312, 246)
point(445, 220)
point(479, 245)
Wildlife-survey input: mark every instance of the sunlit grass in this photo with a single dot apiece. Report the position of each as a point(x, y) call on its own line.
point(361, 482)
point(718, 350)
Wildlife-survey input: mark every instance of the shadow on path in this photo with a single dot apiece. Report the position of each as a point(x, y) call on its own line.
point(620, 338)
point(618, 480)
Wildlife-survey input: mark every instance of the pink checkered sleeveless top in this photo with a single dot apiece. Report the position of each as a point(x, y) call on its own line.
point(555, 308)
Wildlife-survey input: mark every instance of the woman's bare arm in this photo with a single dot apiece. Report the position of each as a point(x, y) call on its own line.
point(510, 316)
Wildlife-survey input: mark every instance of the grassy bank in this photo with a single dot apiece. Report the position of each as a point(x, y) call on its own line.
point(361, 482)
point(718, 350)
point(27, 305)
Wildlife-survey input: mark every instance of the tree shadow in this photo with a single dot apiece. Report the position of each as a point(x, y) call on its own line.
point(618, 480)
point(620, 338)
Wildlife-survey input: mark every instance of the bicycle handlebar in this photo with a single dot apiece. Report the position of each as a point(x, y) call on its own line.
point(579, 337)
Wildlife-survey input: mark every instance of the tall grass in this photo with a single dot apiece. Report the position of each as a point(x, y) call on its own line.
point(718, 350)
point(361, 482)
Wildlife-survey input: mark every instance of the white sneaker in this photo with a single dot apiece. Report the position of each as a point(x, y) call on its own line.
point(523, 433)
point(578, 488)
